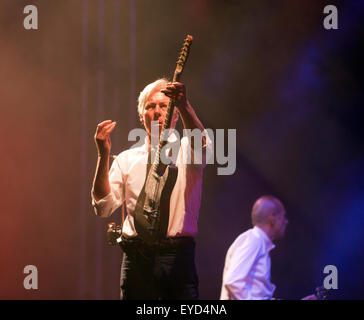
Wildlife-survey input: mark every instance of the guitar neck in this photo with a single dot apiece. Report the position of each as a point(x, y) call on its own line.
point(157, 165)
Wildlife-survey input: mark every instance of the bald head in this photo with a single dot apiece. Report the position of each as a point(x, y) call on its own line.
point(264, 208)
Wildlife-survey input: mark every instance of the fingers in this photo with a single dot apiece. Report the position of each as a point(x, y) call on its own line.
point(102, 137)
point(175, 90)
point(105, 128)
point(110, 127)
point(105, 131)
point(104, 123)
point(178, 97)
point(175, 86)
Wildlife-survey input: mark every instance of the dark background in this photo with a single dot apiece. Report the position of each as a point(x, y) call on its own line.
point(268, 69)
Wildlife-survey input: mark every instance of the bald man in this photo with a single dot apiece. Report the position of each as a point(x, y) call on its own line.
point(247, 264)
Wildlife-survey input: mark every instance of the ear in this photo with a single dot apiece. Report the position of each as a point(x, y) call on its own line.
point(272, 220)
point(141, 119)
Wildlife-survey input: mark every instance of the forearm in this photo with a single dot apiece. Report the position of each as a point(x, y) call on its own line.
point(191, 121)
point(101, 185)
point(189, 118)
point(177, 92)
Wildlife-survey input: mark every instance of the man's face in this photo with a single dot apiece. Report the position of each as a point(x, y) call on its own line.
point(155, 110)
point(280, 224)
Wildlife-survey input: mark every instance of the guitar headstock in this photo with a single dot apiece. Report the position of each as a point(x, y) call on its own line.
point(181, 61)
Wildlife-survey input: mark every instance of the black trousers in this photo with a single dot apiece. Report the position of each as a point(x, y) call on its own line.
point(165, 271)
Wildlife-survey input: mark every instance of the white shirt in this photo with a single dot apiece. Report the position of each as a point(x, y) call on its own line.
point(247, 268)
point(127, 176)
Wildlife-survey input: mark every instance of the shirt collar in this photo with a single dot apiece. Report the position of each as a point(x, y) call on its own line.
point(268, 242)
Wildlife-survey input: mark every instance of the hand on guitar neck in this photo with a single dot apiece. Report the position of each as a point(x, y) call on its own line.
point(320, 294)
point(177, 92)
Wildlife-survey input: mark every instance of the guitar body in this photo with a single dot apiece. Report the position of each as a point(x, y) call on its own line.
point(151, 215)
point(165, 199)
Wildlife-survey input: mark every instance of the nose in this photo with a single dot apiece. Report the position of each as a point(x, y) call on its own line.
point(157, 110)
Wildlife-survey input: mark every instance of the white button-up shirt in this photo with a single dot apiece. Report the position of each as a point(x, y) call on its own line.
point(127, 176)
point(247, 268)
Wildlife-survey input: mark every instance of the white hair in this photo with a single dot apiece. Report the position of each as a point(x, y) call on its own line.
point(144, 95)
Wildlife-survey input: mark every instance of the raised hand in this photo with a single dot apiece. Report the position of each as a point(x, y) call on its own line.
point(102, 137)
point(177, 92)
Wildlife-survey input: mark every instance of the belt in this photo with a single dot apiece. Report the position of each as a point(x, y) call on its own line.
point(158, 245)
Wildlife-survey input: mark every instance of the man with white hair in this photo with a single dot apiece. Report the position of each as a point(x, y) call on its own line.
point(247, 264)
point(165, 270)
